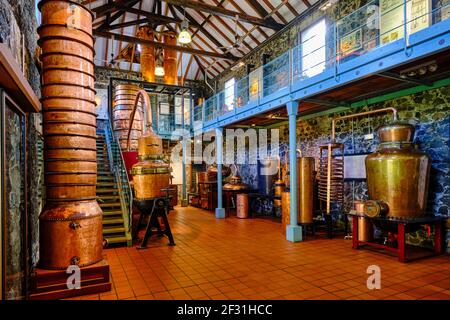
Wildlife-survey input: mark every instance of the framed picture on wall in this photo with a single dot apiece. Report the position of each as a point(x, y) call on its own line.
point(391, 20)
point(419, 15)
point(351, 42)
point(254, 84)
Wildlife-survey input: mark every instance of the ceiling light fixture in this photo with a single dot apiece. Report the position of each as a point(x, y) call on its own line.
point(184, 37)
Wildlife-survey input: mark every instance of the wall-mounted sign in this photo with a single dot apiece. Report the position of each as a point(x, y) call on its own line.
point(350, 42)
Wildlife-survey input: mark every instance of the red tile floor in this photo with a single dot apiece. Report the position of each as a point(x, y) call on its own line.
point(250, 259)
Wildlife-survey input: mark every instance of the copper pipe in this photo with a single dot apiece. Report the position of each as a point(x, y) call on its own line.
point(333, 124)
point(147, 107)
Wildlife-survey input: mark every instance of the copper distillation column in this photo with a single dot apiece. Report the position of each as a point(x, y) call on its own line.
point(151, 174)
point(124, 98)
point(170, 60)
point(71, 221)
point(147, 56)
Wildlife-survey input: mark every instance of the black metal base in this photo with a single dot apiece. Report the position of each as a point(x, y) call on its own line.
point(158, 207)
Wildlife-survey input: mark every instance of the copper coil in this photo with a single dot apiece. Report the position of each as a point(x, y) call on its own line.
point(66, 60)
point(61, 75)
point(68, 141)
point(69, 128)
point(54, 179)
point(68, 104)
point(64, 116)
point(70, 233)
point(72, 153)
point(68, 13)
point(61, 33)
point(67, 47)
point(67, 90)
point(70, 165)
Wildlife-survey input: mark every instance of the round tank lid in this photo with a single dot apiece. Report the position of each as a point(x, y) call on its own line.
point(396, 132)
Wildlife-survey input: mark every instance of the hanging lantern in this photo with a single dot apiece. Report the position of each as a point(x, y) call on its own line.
point(184, 37)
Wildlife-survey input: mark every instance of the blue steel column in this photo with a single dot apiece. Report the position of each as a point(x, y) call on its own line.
point(220, 211)
point(293, 231)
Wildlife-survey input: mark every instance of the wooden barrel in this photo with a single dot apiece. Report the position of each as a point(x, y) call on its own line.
point(170, 60)
point(242, 205)
point(124, 99)
point(147, 54)
point(71, 222)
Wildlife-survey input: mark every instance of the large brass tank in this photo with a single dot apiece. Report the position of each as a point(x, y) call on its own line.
point(151, 174)
point(71, 222)
point(397, 174)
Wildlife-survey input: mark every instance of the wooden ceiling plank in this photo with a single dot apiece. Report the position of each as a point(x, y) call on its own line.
point(221, 11)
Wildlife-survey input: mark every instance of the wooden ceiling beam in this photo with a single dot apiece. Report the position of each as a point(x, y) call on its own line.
point(132, 39)
point(221, 11)
point(278, 14)
point(260, 10)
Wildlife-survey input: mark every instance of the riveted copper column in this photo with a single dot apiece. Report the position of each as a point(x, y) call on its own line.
point(124, 97)
point(147, 54)
point(71, 222)
point(170, 60)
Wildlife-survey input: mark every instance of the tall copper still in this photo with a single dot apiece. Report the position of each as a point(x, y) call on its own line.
point(397, 174)
point(170, 60)
point(71, 221)
point(147, 57)
point(305, 183)
point(124, 98)
point(151, 174)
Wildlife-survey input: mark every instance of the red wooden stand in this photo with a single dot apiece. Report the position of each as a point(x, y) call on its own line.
point(52, 284)
point(402, 227)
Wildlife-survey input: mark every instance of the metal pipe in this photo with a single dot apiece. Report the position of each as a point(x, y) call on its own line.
point(333, 124)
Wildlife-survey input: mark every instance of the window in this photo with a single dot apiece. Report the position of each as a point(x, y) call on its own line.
point(229, 94)
point(313, 49)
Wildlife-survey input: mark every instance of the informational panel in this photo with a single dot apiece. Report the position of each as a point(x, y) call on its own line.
point(255, 80)
point(392, 18)
point(355, 167)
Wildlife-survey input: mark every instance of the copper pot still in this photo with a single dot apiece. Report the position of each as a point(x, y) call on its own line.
point(236, 183)
point(212, 172)
point(397, 174)
point(71, 222)
point(151, 174)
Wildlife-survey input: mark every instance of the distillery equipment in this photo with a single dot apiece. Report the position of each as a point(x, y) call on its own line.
point(397, 174)
point(71, 221)
point(331, 175)
point(147, 56)
point(235, 183)
point(279, 187)
point(170, 60)
point(151, 174)
point(242, 205)
point(365, 227)
point(305, 183)
point(211, 172)
point(267, 175)
point(124, 98)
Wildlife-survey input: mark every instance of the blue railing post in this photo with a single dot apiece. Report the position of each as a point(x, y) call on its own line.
point(220, 211)
point(293, 230)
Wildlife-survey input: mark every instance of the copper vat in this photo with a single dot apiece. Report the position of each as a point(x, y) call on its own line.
point(242, 205)
point(147, 54)
point(70, 234)
point(170, 60)
point(151, 174)
point(71, 222)
point(397, 174)
point(305, 183)
point(235, 184)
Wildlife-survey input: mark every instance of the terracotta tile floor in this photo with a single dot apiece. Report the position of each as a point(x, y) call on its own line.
point(250, 259)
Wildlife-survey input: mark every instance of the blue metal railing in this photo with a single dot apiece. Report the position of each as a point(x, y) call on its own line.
point(355, 35)
point(117, 164)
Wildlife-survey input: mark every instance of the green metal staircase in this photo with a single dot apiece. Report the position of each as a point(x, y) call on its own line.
point(116, 226)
